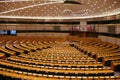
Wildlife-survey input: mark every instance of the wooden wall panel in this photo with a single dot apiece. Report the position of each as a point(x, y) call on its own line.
point(103, 28)
point(101, 18)
point(64, 34)
point(111, 17)
point(118, 16)
point(3, 27)
point(96, 28)
point(111, 40)
point(118, 41)
point(21, 27)
point(83, 23)
point(30, 27)
point(43, 34)
point(49, 28)
point(10, 27)
point(103, 38)
point(49, 34)
point(118, 29)
point(56, 34)
point(21, 34)
point(65, 28)
point(39, 27)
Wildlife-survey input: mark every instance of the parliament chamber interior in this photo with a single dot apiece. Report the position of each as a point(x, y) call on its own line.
point(59, 39)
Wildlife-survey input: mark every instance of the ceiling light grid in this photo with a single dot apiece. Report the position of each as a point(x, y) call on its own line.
point(54, 9)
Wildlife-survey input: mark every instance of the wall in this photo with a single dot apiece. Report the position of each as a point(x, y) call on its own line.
point(22, 28)
point(110, 39)
point(44, 34)
point(118, 29)
point(103, 28)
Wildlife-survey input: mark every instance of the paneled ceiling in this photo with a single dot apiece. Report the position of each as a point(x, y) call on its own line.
point(57, 9)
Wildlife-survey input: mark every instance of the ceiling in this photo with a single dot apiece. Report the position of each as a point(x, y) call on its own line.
point(56, 9)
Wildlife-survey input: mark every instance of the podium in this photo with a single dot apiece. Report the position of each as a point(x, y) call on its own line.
point(84, 34)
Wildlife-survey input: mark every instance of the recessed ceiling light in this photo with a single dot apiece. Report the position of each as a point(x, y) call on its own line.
point(115, 2)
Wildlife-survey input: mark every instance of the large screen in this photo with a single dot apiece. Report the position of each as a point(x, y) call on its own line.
point(8, 32)
point(12, 32)
point(3, 32)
